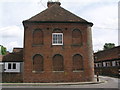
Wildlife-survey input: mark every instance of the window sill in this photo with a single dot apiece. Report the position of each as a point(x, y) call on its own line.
point(58, 71)
point(78, 71)
point(37, 71)
point(62, 46)
point(57, 44)
point(12, 72)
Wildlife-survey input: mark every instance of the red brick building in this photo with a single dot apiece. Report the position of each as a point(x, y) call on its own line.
point(57, 47)
point(107, 62)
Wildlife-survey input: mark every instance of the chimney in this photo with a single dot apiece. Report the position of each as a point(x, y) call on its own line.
point(15, 50)
point(50, 3)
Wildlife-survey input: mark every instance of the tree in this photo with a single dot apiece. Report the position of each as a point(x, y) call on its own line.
point(3, 50)
point(108, 46)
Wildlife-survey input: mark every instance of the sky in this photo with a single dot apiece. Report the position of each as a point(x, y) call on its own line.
point(102, 13)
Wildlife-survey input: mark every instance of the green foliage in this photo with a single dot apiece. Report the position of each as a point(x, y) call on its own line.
point(3, 50)
point(108, 46)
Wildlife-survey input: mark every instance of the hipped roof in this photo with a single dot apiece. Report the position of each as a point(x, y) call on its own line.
point(56, 13)
point(13, 57)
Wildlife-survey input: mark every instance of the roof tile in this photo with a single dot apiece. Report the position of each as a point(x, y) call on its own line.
point(56, 13)
point(13, 57)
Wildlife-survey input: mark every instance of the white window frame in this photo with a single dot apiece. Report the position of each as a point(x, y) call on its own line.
point(12, 70)
point(100, 64)
point(96, 64)
point(113, 63)
point(104, 64)
point(57, 40)
point(12, 66)
point(107, 64)
point(117, 63)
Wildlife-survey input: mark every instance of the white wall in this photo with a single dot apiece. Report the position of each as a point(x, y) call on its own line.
point(1, 67)
point(0, 51)
point(18, 65)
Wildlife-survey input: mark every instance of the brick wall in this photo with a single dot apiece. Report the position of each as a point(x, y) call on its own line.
point(109, 62)
point(109, 71)
point(12, 77)
point(67, 50)
point(15, 50)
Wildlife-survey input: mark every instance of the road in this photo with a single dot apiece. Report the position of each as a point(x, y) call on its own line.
point(110, 83)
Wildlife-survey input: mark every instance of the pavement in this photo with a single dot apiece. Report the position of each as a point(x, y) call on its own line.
point(104, 82)
point(63, 83)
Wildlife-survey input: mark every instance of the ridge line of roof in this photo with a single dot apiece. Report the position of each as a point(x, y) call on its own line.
point(116, 47)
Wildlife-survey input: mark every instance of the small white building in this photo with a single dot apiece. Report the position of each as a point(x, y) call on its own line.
point(13, 66)
point(13, 62)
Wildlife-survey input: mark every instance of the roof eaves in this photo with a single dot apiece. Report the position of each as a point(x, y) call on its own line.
point(12, 61)
point(89, 23)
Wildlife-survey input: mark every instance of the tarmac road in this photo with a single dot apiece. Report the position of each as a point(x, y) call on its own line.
point(109, 83)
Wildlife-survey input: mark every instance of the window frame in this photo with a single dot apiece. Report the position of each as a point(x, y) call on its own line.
point(81, 63)
point(14, 66)
point(42, 58)
point(41, 41)
point(57, 39)
point(12, 70)
point(54, 66)
point(104, 64)
point(79, 37)
point(113, 63)
point(96, 64)
point(9, 66)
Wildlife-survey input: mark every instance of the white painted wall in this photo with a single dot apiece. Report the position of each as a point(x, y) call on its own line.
point(104, 64)
point(0, 51)
point(1, 67)
point(12, 70)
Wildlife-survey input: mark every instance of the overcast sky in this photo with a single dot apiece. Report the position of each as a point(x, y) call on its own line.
point(102, 13)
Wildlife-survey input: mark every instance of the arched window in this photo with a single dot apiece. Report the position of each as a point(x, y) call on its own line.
point(38, 63)
point(37, 37)
point(58, 63)
point(77, 62)
point(76, 37)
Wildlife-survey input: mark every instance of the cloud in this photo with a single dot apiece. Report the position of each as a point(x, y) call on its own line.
point(103, 13)
point(11, 36)
point(13, 13)
point(105, 19)
point(11, 45)
point(10, 32)
point(19, 0)
point(100, 37)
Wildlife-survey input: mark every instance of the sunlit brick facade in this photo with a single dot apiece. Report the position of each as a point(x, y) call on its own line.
point(57, 47)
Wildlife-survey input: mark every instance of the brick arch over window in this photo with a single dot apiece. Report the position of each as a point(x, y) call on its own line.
point(38, 62)
point(57, 30)
point(76, 36)
point(58, 63)
point(77, 62)
point(37, 37)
